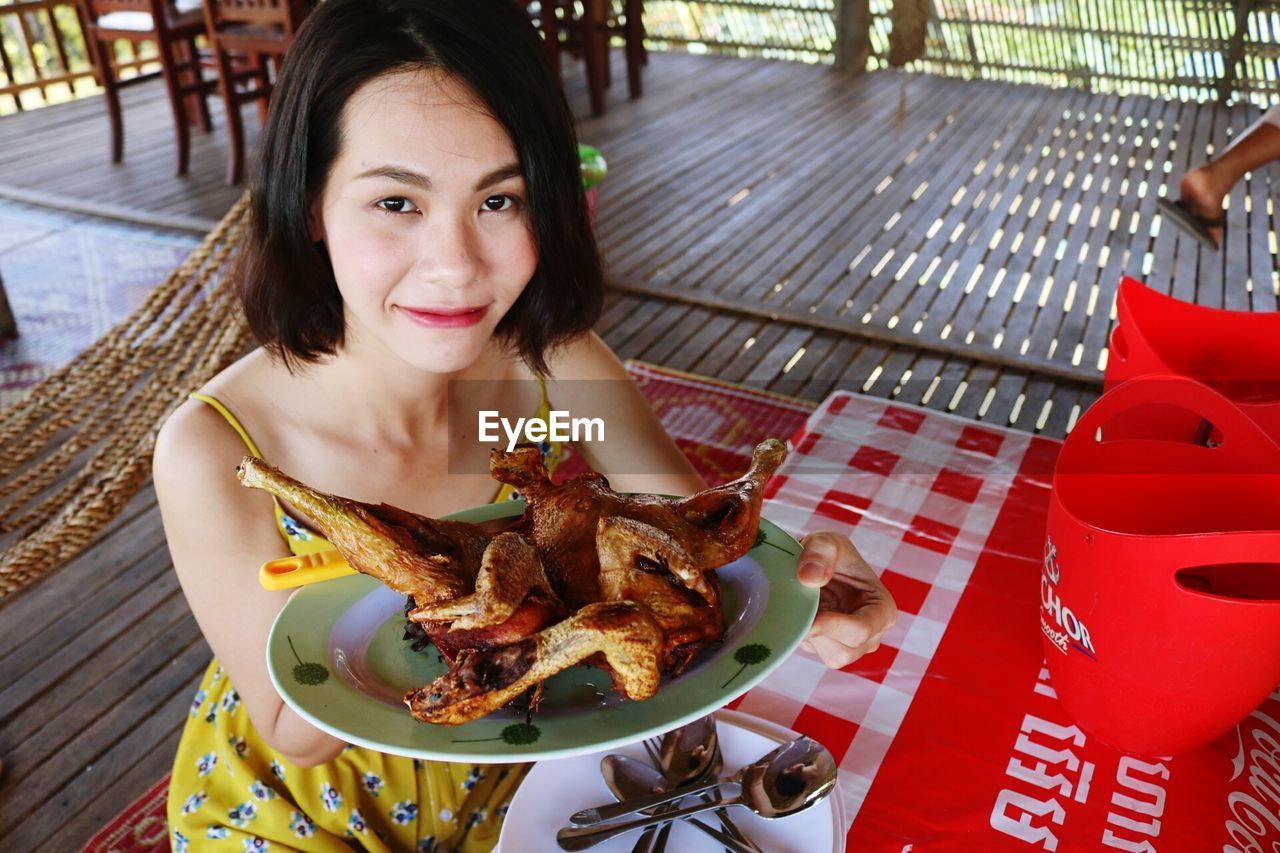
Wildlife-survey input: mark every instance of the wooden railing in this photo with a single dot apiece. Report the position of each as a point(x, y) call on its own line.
point(43, 58)
point(1189, 49)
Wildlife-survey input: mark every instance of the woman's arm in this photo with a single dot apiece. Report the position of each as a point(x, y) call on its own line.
point(637, 455)
point(219, 534)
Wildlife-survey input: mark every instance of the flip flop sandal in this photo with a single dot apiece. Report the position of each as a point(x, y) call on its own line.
point(1197, 227)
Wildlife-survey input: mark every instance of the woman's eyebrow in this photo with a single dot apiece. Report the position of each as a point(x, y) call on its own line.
point(417, 179)
point(511, 170)
point(397, 173)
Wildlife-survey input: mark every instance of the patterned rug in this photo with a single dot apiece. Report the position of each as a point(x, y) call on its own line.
point(716, 424)
point(69, 279)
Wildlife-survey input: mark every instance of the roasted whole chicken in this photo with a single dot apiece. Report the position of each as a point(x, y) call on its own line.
point(623, 582)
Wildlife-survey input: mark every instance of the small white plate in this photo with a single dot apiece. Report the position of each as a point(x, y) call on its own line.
point(555, 789)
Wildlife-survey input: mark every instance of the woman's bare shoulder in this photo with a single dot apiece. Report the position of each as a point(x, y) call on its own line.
point(197, 449)
point(584, 357)
point(249, 390)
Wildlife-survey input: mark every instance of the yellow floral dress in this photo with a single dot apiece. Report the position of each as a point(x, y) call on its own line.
point(231, 791)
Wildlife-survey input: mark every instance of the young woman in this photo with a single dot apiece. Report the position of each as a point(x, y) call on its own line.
point(419, 246)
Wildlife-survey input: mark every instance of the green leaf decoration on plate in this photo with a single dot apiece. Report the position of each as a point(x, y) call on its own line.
point(517, 734)
point(748, 655)
point(307, 673)
point(761, 539)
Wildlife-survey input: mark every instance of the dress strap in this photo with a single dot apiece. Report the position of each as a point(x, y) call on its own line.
point(299, 538)
point(544, 405)
point(231, 419)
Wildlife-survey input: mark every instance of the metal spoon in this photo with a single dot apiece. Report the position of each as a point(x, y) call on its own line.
point(627, 778)
point(788, 780)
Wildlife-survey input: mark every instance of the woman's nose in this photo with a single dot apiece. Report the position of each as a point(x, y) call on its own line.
point(449, 253)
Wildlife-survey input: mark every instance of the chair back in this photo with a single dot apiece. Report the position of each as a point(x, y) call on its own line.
point(95, 9)
point(287, 14)
point(103, 7)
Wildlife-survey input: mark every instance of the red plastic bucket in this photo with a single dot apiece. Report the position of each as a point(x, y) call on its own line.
point(1235, 352)
point(1160, 593)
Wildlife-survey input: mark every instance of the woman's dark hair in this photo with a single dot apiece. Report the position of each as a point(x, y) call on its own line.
point(285, 278)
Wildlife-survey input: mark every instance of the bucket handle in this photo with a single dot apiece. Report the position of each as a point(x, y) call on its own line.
point(1170, 389)
point(1124, 318)
point(1219, 549)
point(1128, 338)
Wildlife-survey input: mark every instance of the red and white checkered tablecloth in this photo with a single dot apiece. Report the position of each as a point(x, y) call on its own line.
point(950, 737)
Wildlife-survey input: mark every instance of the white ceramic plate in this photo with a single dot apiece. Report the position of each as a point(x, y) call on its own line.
point(553, 790)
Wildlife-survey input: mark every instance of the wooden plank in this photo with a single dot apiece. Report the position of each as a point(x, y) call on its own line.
point(112, 745)
point(940, 297)
point(979, 379)
point(1061, 324)
point(1264, 187)
point(762, 342)
point(886, 293)
point(103, 676)
point(1004, 406)
point(136, 531)
point(732, 348)
point(1186, 266)
point(667, 315)
point(701, 176)
point(126, 600)
point(823, 377)
point(724, 335)
point(780, 357)
point(642, 313)
point(672, 110)
point(696, 329)
point(1130, 238)
point(927, 373)
point(1037, 397)
point(769, 258)
point(836, 257)
point(641, 147)
point(1049, 223)
point(788, 177)
point(1234, 256)
point(95, 812)
point(1066, 410)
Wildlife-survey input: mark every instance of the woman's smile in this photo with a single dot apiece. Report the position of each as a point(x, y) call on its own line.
point(448, 318)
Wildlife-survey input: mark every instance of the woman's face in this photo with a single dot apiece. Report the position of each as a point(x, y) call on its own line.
point(423, 215)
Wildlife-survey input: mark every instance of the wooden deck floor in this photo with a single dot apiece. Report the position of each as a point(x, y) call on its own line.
point(764, 223)
point(983, 230)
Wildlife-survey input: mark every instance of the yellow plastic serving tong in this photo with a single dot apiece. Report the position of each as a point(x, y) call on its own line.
point(289, 572)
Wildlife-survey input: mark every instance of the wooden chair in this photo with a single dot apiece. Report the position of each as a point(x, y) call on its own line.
point(173, 28)
point(244, 35)
point(588, 34)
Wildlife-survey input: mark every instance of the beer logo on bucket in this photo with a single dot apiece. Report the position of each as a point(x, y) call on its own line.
point(1070, 632)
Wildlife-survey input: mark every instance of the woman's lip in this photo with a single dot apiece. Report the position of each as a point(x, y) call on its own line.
point(446, 317)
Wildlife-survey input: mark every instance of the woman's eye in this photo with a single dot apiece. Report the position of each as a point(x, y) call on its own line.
point(396, 204)
point(496, 203)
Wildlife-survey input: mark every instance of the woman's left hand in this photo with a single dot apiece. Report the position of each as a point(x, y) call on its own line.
point(854, 610)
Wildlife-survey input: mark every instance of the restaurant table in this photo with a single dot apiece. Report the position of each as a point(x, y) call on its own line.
point(950, 737)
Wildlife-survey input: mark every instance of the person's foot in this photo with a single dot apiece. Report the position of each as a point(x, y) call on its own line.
point(1201, 193)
